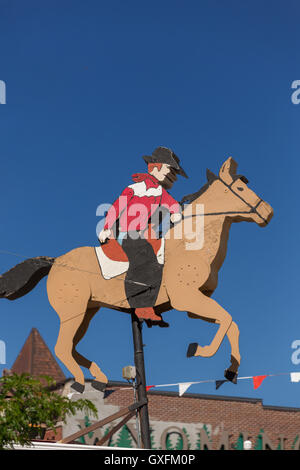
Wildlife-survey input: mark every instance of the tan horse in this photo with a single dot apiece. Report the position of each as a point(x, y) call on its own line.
point(77, 289)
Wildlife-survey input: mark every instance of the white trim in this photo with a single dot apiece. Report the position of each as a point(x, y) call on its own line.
point(140, 190)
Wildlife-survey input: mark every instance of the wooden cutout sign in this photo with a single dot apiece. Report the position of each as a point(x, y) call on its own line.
point(76, 288)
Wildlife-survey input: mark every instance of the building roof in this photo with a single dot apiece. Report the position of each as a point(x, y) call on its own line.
point(35, 358)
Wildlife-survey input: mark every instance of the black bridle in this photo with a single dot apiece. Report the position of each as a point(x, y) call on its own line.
point(253, 209)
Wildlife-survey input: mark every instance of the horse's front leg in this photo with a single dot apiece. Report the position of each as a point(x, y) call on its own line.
point(233, 335)
point(201, 306)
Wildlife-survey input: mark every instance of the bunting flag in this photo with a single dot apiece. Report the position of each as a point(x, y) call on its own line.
point(295, 376)
point(183, 387)
point(220, 382)
point(258, 380)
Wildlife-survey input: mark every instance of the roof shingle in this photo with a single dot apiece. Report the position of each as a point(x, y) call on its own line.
point(35, 358)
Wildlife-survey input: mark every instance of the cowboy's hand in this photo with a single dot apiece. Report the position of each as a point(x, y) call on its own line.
point(104, 235)
point(175, 218)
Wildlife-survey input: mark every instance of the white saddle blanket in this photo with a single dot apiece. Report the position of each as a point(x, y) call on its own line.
point(111, 268)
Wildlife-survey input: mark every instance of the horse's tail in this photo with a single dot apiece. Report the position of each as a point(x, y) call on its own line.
point(21, 279)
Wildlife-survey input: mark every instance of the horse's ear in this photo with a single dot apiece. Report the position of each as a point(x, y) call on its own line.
point(211, 177)
point(228, 170)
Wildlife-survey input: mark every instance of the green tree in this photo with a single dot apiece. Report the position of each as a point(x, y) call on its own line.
point(198, 443)
point(294, 442)
point(87, 423)
point(258, 443)
point(110, 442)
point(179, 444)
point(239, 444)
point(124, 438)
point(169, 443)
point(28, 405)
point(188, 437)
point(152, 438)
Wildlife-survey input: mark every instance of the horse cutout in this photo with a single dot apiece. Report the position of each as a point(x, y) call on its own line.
point(76, 288)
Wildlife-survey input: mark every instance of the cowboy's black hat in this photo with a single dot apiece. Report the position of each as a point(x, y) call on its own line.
point(165, 155)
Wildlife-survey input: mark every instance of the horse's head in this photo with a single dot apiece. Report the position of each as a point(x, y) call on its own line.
point(234, 197)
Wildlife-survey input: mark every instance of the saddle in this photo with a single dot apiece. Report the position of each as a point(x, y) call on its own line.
point(113, 260)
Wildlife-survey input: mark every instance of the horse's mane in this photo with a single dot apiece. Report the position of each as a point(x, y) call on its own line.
point(189, 198)
point(211, 177)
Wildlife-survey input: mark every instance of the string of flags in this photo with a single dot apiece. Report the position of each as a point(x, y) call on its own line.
point(256, 379)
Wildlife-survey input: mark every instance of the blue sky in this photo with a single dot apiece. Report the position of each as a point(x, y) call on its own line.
point(91, 87)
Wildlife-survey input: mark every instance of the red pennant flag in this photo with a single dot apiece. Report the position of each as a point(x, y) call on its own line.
point(258, 380)
point(149, 386)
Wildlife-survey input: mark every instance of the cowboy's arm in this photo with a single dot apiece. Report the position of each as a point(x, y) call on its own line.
point(114, 213)
point(172, 205)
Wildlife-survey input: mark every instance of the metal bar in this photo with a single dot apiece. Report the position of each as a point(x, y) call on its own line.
point(138, 432)
point(141, 380)
point(104, 421)
point(115, 429)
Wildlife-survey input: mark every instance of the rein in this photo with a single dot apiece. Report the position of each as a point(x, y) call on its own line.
point(253, 209)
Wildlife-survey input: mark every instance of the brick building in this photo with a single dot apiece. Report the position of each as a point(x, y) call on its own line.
point(192, 421)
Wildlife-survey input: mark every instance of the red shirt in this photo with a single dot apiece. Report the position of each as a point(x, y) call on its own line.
point(138, 202)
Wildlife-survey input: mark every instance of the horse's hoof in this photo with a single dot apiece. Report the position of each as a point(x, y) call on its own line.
point(100, 386)
point(78, 387)
point(231, 376)
point(192, 349)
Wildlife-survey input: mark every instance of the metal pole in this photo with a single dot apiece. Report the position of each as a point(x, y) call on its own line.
point(137, 424)
point(141, 379)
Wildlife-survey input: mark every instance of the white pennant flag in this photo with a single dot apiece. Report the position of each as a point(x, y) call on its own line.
point(295, 376)
point(183, 387)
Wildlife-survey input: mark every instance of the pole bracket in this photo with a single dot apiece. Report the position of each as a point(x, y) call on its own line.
point(137, 405)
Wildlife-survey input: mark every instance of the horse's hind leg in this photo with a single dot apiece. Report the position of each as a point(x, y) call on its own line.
point(69, 293)
point(100, 379)
point(64, 348)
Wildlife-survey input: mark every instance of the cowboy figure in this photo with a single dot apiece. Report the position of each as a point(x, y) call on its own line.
point(145, 197)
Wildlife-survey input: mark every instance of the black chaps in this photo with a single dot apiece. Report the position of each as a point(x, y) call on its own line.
point(143, 278)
